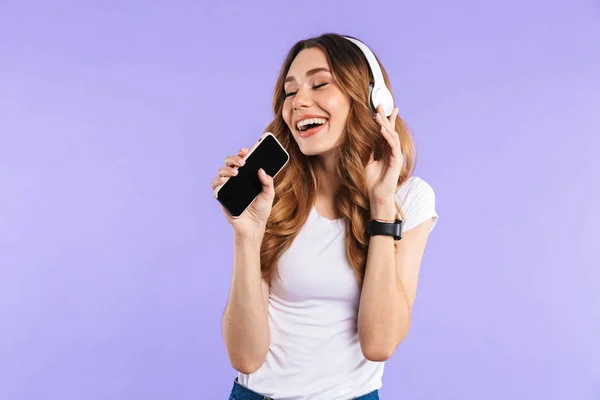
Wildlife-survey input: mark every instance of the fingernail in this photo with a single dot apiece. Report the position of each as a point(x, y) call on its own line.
point(241, 161)
point(262, 171)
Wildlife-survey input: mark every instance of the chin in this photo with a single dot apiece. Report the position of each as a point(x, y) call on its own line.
point(310, 152)
point(315, 149)
point(316, 145)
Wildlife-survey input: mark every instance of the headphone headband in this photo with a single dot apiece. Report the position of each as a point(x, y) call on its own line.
point(380, 94)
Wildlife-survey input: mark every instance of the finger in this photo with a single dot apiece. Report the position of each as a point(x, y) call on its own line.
point(393, 141)
point(227, 171)
point(383, 121)
point(266, 181)
point(234, 161)
point(218, 181)
point(392, 127)
point(389, 123)
point(393, 116)
point(381, 111)
point(243, 152)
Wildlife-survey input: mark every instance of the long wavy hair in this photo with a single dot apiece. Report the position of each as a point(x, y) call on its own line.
point(296, 185)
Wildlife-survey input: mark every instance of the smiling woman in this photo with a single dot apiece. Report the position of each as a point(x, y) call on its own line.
point(323, 287)
point(316, 85)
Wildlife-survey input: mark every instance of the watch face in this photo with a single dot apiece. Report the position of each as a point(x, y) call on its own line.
point(385, 228)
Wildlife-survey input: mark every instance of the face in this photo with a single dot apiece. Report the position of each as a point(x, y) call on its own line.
point(313, 97)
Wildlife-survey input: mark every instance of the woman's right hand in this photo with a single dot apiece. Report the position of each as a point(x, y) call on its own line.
point(254, 220)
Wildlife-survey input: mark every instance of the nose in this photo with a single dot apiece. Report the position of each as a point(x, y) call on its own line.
point(301, 99)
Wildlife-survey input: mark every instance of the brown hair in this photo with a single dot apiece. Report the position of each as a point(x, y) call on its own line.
point(296, 185)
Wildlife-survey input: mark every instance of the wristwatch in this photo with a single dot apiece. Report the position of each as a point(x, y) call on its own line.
point(375, 227)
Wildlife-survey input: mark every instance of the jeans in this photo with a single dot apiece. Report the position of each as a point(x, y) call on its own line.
point(239, 392)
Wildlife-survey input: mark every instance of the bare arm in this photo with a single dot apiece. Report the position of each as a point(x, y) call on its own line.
point(389, 289)
point(245, 321)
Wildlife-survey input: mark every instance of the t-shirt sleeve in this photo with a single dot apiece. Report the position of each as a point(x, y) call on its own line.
point(417, 200)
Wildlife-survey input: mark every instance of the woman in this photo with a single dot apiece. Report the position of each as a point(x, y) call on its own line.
point(317, 304)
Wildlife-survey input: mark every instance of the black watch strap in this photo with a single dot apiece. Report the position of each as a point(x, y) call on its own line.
point(394, 229)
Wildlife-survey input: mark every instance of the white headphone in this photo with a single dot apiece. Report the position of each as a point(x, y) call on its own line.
point(378, 92)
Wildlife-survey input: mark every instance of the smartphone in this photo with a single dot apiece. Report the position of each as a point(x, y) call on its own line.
point(240, 190)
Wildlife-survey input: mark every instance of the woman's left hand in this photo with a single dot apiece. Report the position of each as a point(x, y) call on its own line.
point(382, 182)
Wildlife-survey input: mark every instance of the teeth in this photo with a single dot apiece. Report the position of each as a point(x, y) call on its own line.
point(309, 121)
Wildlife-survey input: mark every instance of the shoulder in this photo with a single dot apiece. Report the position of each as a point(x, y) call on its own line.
point(416, 198)
point(415, 189)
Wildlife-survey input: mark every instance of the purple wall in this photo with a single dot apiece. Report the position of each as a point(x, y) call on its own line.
point(115, 259)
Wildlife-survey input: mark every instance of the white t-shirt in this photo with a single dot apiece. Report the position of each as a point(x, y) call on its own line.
point(313, 309)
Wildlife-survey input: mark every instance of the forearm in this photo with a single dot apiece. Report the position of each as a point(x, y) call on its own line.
point(245, 321)
point(384, 311)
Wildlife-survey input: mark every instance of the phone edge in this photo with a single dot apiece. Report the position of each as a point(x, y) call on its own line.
point(256, 144)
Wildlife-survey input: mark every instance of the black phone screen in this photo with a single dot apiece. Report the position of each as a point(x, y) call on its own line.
point(240, 190)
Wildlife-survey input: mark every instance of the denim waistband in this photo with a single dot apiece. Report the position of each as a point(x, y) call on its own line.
point(240, 392)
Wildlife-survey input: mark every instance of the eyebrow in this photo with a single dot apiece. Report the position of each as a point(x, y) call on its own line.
point(310, 72)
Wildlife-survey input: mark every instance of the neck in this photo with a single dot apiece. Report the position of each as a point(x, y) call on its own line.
point(329, 184)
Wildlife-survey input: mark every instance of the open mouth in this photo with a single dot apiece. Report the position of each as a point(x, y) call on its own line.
point(311, 123)
point(310, 130)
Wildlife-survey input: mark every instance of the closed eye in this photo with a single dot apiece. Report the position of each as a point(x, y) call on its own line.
point(314, 87)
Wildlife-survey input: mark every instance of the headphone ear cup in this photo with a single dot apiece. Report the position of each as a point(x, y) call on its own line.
point(382, 95)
